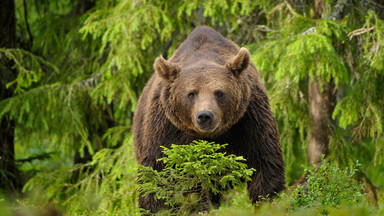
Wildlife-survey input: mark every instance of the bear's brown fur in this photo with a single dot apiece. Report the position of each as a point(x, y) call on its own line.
point(209, 89)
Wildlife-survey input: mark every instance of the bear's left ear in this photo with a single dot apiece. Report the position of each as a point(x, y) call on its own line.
point(240, 62)
point(165, 69)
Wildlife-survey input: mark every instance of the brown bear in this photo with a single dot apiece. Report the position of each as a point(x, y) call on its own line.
point(209, 89)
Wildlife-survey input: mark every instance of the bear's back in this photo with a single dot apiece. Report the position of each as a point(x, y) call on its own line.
point(204, 44)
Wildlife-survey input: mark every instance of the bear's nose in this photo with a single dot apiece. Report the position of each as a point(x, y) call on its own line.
point(204, 117)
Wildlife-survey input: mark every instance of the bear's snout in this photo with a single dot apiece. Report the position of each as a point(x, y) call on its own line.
point(204, 118)
point(206, 122)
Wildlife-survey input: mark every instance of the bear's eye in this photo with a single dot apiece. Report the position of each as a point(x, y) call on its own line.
point(191, 95)
point(219, 93)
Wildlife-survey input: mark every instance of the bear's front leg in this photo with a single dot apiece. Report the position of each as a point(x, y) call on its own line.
point(149, 202)
point(265, 183)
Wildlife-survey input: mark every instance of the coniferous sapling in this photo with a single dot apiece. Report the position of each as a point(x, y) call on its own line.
point(192, 174)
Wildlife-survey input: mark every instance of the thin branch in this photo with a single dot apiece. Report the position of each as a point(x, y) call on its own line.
point(375, 4)
point(42, 156)
point(291, 9)
point(359, 32)
point(311, 30)
point(26, 23)
point(281, 6)
point(358, 131)
point(264, 28)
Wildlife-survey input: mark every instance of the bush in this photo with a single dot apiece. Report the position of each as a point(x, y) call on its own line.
point(193, 175)
point(328, 186)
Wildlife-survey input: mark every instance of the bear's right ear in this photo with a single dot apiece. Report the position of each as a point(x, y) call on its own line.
point(165, 69)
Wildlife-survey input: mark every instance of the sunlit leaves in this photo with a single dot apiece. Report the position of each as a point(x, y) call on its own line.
point(311, 55)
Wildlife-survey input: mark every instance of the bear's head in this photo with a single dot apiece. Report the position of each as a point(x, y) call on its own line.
point(205, 98)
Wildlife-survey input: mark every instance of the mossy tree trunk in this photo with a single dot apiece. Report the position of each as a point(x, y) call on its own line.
point(321, 105)
point(321, 100)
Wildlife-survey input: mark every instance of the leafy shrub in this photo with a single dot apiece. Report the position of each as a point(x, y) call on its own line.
point(193, 175)
point(328, 186)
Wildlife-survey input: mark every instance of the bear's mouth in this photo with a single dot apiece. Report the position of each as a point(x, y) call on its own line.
point(207, 129)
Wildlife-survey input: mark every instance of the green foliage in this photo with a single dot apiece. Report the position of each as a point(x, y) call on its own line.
point(329, 190)
point(107, 184)
point(237, 202)
point(54, 76)
point(192, 174)
point(76, 84)
point(347, 52)
point(28, 65)
point(304, 49)
point(300, 50)
point(77, 87)
point(363, 106)
point(133, 33)
point(328, 186)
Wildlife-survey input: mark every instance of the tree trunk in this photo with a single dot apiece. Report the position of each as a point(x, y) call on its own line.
point(321, 105)
point(9, 180)
point(81, 8)
point(7, 24)
point(9, 175)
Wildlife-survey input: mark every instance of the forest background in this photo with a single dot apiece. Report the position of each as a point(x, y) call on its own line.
point(71, 72)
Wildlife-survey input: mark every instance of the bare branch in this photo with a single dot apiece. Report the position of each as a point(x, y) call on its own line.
point(359, 32)
point(26, 23)
point(291, 9)
point(281, 6)
point(375, 4)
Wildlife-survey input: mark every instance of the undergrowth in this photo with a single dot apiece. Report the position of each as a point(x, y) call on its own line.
point(196, 172)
